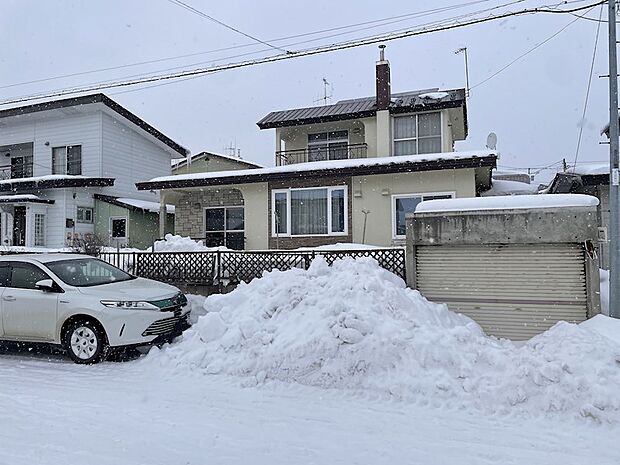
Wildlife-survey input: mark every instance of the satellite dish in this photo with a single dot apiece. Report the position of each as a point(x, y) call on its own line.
point(492, 141)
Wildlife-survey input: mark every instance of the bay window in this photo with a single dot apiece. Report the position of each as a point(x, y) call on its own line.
point(320, 211)
point(417, 134)
point(406, 203)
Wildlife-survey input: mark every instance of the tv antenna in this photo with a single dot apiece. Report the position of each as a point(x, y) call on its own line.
point(328, 91)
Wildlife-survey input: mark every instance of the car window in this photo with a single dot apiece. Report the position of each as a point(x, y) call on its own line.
point(4, 274)
point(26, 275)
point(87, 272)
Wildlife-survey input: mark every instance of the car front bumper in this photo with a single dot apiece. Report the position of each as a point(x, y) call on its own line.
point(146, 327)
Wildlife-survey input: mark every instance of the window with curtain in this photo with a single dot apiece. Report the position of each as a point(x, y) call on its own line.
point(67, 160)
point(309, 212)
point(417, 134)
point(403, 204)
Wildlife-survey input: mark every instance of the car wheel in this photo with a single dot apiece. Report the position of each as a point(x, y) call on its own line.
point(85, 342)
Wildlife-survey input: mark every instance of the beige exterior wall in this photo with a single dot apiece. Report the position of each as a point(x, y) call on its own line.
point(374, 194)
point(256, 198)
point(210, 164)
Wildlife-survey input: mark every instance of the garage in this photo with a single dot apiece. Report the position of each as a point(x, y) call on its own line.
point(516, 268)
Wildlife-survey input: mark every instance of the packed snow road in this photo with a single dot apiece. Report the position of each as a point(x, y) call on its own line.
point(121, 413)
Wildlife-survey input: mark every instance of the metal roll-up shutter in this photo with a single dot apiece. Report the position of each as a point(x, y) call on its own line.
point(512, 291)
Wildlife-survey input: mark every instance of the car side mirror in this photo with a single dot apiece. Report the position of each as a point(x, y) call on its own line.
point(45, 285)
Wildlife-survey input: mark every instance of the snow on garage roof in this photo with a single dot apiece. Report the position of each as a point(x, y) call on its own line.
point(507, 202)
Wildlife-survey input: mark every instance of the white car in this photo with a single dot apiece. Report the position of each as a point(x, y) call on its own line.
point(85, 304)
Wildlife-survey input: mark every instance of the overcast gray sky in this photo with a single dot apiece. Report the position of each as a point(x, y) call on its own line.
point(534, 106)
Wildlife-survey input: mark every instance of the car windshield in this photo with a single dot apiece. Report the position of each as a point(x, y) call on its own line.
point(87, 272)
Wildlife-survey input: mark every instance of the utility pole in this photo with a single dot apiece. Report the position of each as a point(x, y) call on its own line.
point(614, 199)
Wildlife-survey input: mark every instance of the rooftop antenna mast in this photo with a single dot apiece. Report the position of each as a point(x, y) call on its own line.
point(463, 50)
point(328, 91)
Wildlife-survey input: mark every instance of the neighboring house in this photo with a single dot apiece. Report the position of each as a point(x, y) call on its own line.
point(347, 172)
point(62, 161)
point(205, 162)
point(592, 179)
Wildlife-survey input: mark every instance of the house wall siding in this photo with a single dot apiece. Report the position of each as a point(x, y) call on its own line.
point(84, 130)
point(279, 242)
point(129, 157)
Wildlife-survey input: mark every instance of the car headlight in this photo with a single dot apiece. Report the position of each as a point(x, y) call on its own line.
point(129, 305)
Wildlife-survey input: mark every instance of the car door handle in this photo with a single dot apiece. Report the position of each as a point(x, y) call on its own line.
point(8, 298)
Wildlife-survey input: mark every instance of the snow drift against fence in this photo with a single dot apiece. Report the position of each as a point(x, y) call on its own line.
point(356, 326)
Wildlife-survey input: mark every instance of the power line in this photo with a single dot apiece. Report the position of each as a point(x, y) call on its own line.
point(297, 54)
point(221, 23)
point(370, 25)
point(585, 104)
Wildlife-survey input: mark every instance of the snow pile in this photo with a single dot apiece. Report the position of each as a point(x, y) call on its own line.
point(356, 326)
point(176, 243)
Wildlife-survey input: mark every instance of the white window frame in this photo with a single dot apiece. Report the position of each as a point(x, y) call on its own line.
point(35, 236)
point(327, 142)
point(420, 195)
point(66, 158)
point(329, 189)
point(225, 231)
point(417, 137)
point(84, 221)
point(126, 227)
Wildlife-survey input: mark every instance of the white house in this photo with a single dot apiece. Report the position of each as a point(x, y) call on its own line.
point(61, 162)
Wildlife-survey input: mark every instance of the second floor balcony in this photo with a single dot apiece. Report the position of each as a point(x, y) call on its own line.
point(339, 151)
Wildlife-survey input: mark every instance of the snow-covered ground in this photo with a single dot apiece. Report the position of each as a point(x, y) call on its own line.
point(339, 365)
point(125, 414)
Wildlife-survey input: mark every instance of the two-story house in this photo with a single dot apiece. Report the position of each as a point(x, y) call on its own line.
point(347, 172)
point(68, 169)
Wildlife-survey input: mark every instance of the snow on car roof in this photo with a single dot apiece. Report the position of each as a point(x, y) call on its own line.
point(507, 202)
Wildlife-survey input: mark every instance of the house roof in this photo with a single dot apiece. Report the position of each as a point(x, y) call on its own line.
point(413, 101)
point(90, 99)
point(133, 204)
point(54, 181)
point(199, 156)
point(24, 198)
point(352, 167)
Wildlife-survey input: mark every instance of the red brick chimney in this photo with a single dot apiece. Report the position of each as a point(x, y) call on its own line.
point(384, 91)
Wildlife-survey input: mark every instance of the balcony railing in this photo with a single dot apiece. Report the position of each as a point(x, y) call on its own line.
point(333, 152)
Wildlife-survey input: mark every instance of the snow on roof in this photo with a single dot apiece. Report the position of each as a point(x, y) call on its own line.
point(590, 169)
point(145, 204)
point(49, 177)
point(505, 187)
point(331, 165)
point(19, 197)
point(507, 202)
point(434, 95)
